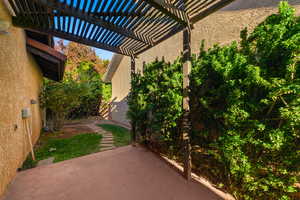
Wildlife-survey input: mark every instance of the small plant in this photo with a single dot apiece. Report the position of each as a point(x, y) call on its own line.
point(28, 163)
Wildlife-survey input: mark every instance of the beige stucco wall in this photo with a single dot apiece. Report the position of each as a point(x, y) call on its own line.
point(120, 90)
point(221, 27)
point(20, 81)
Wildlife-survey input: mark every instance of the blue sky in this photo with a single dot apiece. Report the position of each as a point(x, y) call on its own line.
point(103, 54)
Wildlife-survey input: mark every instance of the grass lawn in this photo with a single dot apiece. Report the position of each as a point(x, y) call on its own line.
point(67, 148)
point(64, 148)
point(122, 136)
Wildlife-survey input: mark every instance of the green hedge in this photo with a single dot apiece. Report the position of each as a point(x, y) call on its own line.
point(245, 109)
point(155, 101)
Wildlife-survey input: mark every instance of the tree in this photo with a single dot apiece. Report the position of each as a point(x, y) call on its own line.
point(61, 98)
point(84, 66)
point(91, 101)
point(77, 53)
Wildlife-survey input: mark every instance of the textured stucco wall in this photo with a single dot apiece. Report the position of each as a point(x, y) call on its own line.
point(120, 90)
point(221, 27)
point(20, 81)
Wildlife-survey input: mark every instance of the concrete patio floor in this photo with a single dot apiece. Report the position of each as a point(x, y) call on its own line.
point(127, 173)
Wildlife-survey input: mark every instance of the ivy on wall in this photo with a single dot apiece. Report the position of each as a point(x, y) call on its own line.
point(245, 109)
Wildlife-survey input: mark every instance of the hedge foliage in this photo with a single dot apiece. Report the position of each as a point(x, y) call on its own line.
point(245, 109)
point(78, 95)
point(85, 74)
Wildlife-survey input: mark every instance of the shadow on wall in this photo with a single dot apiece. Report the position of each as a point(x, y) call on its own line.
point(119, 110)
point(252, 4)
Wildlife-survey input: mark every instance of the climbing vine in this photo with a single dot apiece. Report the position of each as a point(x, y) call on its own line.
point(245, 109)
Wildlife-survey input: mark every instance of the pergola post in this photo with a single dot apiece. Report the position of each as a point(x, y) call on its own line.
point(186, 127)
point(133, 126)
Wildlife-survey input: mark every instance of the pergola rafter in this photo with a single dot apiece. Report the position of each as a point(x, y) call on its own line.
point(64, 8)
point(127, 27)
point(83, 41)
point(170, 10)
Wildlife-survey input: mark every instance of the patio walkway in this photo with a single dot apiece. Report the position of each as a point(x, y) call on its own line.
point(126, 173)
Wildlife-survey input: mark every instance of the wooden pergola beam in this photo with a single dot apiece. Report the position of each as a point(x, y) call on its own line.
point(163, 8)
point(128, 28)
point(88, 42)
point(81, 40)
point(69, 10)
point(210, 10)
point(95, 15)
point(46, 48)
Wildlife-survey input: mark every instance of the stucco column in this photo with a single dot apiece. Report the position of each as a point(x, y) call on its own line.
point(186, 126)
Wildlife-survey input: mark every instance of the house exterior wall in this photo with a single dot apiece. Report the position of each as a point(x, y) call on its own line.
point(221, 27)
point(120, 90)
point(20, 81)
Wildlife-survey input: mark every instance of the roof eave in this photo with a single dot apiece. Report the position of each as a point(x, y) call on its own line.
point(45, 55)
point(112, 67)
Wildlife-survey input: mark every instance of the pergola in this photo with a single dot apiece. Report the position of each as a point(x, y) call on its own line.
point(127, 27)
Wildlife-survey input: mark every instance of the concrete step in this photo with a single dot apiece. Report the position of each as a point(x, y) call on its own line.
point(46, 161)
point(106, 140)
point(107, 148)
point(106, 145)
point(107, 137)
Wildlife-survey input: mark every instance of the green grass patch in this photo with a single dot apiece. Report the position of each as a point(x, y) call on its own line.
point(64, 148)
point(68, 148)
point(28, 163)
point(122, 136)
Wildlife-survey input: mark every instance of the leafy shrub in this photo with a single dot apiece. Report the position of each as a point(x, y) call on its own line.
point(155, 102)
point(245, 108)
point(91, 101)
point(28, 164)
point(61, 98)
point(85, 67)
point(79, 95)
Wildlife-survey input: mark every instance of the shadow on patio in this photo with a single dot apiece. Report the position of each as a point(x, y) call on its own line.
point(127, 173)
